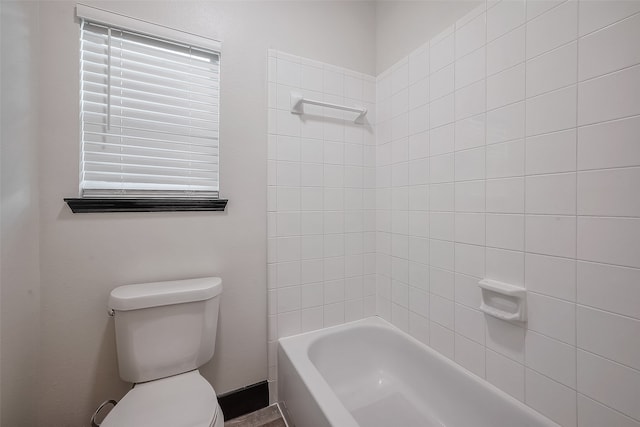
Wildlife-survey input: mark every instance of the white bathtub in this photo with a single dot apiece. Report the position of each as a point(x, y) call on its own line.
point(368, 373)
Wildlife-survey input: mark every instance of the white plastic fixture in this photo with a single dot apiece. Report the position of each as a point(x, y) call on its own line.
point(368, 373)
point(164, 332)
point(165, 328)
point(180, 400)
point(503, 300)
point(298, 101)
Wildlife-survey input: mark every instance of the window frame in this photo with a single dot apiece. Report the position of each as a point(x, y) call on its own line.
point(143, 203)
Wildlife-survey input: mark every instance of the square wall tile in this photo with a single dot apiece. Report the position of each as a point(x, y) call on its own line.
point(612, 96)
point(552, 276)
point(469, 323)
point(441, 311)
point(442, 339)
point(598, 58)
point(504, 17)
point(550, 398)
point(470, 196)
point(552, 317)
point(470, 68)
point(471, 36)
point(470, 228)
point(551, 235)
point(609, 335)
point(506, 51)
point(505, 266)
point(505, 338)
point(470, 132)
point(505, 195)
point(441, 82)
point(552, 29)
point(552, 111)
point(551, 194)
point(610, 192)
point(506, 123)
point(594, 14)
point(470, 164)
point(608, 382)
point(442, 140)
point(442, 51)
point(552, 70)
point(505, 231)
point(506, 159)
point(609, 240)
point(470, 355)
point(470, 100)
point(505, 374)
point(552, 358)
point(551, 153)
point(469, 259)
point(418, 65)
point(506, 87)
point(609, 144)
point(609, 287)
point(594, 414)
point(441, 282)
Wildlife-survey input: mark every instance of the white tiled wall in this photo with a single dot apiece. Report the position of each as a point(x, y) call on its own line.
point(321, 200)
point(508, 147)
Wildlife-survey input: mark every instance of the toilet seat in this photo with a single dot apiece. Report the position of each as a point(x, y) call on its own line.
point(185, 400)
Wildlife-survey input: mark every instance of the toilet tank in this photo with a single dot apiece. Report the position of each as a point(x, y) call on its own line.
point(165, 328)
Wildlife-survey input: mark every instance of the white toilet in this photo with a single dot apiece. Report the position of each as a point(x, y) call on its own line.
point(164, 332)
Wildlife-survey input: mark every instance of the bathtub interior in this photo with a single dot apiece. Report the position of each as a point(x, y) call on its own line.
point(362, 375)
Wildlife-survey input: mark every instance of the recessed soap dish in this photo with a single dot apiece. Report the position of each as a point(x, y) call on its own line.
point(503, 300)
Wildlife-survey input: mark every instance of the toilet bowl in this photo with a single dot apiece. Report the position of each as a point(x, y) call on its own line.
point(182, 400)
point(164, 332)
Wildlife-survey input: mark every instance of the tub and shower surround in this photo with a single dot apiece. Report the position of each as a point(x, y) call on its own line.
point(321, 200)
point(507, 148)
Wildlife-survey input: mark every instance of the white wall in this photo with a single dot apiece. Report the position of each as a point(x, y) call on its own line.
point(84, 256)
point(402, 26)
point(508, 148)
point(19, 271)
point(321, 200)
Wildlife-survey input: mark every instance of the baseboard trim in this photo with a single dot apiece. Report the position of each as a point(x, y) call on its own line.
point(244, 400)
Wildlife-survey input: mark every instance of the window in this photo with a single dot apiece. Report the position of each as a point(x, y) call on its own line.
point(149, 105)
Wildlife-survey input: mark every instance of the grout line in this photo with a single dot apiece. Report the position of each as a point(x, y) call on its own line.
point(575, 296)
point(524, 223)
point(486, 97)
point(455, 60)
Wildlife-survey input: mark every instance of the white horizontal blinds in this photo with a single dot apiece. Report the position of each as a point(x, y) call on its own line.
point(149, 115)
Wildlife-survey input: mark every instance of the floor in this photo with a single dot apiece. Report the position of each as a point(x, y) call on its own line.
point(265, 417)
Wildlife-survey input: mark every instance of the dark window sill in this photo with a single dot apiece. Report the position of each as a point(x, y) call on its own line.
point(147, 204)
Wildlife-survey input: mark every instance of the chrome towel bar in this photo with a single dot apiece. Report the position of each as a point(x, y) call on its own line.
point(298, 101)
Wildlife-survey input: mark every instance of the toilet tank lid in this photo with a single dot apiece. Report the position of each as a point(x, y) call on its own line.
point(145, 295)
